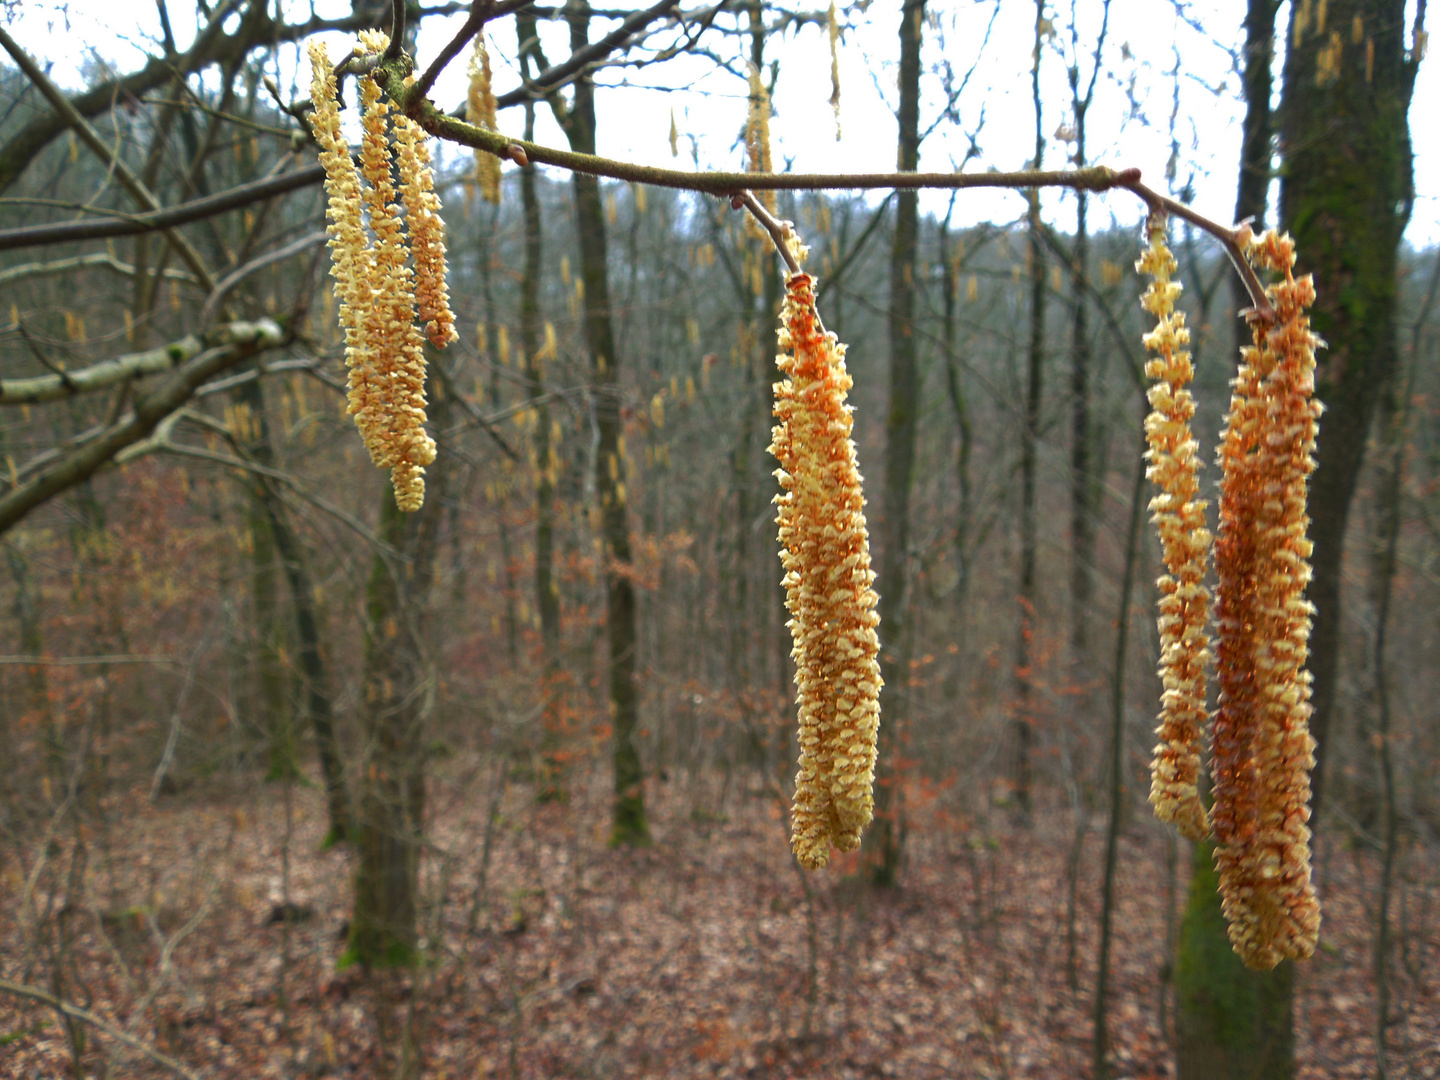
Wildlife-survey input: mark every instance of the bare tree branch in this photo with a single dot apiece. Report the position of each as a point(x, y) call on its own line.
point(91, 138)
point(102, 260)
point(66, 1008)
point(257, 29)
point(133, 224)
point(239, 274)
point(245, 340)
point(554, 77)
point(43, 388)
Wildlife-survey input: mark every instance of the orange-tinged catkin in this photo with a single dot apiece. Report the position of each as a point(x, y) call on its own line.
point(427, 231)
point(1263, 750)
point(825, 549)
point(1179, 518)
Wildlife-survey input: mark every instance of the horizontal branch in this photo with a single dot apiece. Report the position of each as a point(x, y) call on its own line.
point(150, 410)
point(42, 388)
point(131, 225)
point(98, 260)
point(1095, 178)
point(86, 661)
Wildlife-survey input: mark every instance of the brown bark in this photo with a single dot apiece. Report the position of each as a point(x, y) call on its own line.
point(900, 429)
point(578, 123)
point(397, 684)
point(551, 781)
point(1024, 725)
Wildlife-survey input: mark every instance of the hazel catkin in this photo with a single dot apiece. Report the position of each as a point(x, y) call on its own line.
point(1179, 517)
point(825, 550)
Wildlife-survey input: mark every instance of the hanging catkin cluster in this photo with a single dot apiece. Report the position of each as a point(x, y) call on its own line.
point(825, 550)
point(1262, 747)
point(376, 288)
point(1179, 518)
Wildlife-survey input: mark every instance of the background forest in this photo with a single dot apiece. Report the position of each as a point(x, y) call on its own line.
point(294, 785)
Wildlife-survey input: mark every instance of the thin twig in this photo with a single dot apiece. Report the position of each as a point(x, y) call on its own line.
point(1228, 236)
point(216, 458)
point(1096, 178)
point(397, 29)
point(67, 1009)
point(82, 661)
point(782, 232)
point(481, 12)
point(240, 273)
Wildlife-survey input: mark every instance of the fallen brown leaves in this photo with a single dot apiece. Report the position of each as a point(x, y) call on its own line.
point(692, 958)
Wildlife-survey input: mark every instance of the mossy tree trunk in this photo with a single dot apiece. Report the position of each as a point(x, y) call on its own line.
point(1345, 195)
point(1231, 1023)
point(1346, 190)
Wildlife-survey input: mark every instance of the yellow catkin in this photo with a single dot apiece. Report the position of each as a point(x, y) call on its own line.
point(375, 286)
point(832, 27)
point(757, 147)
point(480, 109)
point(1263, 750)
point(825, 549)
point(389, 407)
point(1179, 518)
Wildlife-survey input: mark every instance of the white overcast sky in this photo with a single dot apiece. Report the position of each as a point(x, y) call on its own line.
point(1130, 121)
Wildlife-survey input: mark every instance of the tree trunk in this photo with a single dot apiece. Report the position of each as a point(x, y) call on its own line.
point(1029, 442)
point(271, 698)
point(1345, 196)
point(1255, 148)
point(396, 690)
point(629, 823)
point(317, 704)
point(1100, 1044)
point(32, 643)
point(900, 427)
point(1231, 1023)
point(550, 781)
point(1227, 1022)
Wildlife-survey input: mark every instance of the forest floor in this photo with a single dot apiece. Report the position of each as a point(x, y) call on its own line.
point(706, 954)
